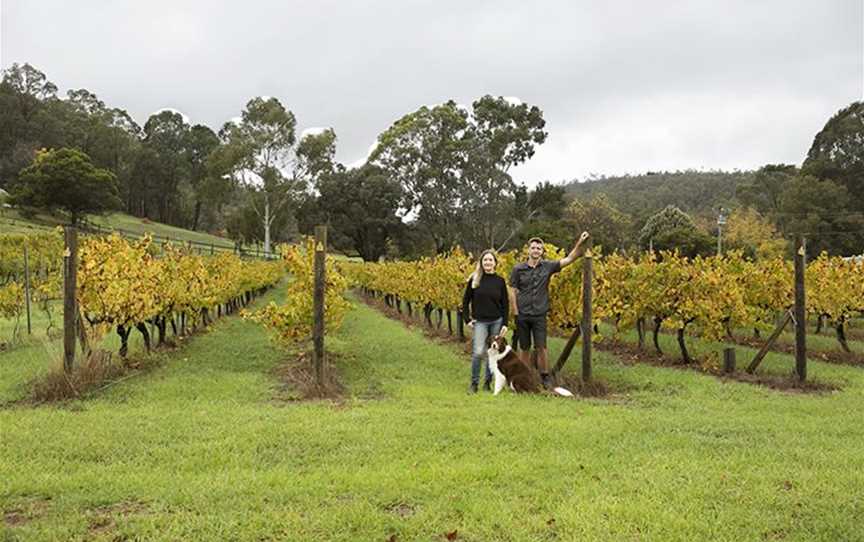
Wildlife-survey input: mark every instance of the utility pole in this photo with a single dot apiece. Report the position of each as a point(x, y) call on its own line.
point(721, 221)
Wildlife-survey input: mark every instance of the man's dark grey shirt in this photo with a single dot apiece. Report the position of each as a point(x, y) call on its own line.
point(532, 284)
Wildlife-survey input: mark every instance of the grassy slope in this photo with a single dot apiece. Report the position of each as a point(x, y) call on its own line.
point(199, 450)
point(11, 221)
point(137, 226)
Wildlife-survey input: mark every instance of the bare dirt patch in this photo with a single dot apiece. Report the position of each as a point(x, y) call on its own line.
point(298, 382)
point(401, 509)
point(103, 519)
point(26, 511)
point(594, 388)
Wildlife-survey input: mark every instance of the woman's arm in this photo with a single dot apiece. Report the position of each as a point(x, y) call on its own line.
point(511, 297)
point(466, 302)
point(505, 299)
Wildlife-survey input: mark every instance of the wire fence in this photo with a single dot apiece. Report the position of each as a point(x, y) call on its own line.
point(201, 247)
point(198, 246)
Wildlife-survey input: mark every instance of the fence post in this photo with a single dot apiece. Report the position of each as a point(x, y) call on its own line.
point(318, 303)
point(27, 289)
point(728, 360)
point(70, 312)
point(587, 327)
point(800, 312)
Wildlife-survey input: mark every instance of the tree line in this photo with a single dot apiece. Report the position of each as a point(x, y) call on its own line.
point(823, 199)
point(438, 177)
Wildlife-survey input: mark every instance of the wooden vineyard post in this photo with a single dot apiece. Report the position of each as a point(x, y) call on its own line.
point(318, 303)
point(587, 328)
point(728, 360)
point(800, 312)
point(27, 289)
point(70, 309)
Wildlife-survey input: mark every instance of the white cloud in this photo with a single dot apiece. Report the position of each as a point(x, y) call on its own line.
point(315, 130)
point(671, 132)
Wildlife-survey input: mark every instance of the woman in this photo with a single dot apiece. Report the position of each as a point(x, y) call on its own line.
point(487, 305)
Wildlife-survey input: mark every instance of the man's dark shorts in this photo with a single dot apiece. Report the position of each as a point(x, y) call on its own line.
point(528, 328)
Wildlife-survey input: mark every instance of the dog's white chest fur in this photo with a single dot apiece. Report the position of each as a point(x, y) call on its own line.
point(500, 379)
point(494, 356)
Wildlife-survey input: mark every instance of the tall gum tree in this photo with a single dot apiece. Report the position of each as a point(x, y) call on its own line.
point(261, 147)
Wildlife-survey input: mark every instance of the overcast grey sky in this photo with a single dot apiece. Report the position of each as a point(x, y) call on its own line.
point(625, 86)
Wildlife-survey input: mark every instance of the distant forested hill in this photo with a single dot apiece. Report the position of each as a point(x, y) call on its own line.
point(695, 192)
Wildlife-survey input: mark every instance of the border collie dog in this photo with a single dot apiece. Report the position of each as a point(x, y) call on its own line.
point(507, 367)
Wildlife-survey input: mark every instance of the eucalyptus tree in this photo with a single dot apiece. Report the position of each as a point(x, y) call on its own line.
point(425, 152)
point(261, 150)
point(837, 152)
point(166, 133)
point(201, 143)
point(502, 133)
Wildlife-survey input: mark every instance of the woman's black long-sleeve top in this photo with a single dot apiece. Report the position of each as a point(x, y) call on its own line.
point(489, 301)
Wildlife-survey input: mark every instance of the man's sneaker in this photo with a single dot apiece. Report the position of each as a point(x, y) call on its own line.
point(472, 388)
point(487, 386)
point(546, 380)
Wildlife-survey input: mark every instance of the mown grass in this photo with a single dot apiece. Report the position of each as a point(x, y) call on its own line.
point(137, 226)
point(823, 342)
point(200, 449)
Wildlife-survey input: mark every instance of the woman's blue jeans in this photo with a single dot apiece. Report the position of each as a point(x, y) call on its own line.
point(482, 330)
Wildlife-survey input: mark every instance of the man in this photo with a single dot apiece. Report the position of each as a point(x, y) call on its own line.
point(529, 293)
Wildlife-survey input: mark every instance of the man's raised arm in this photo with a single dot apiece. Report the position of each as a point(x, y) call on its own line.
point(575, 252)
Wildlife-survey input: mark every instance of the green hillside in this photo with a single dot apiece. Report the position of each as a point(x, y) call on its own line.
point(12, 221)
point(695, 192)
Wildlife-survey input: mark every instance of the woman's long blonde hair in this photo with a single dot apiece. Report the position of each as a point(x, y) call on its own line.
point(478, 271)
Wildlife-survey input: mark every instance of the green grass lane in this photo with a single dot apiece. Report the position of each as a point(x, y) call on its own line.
point(199, 449)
